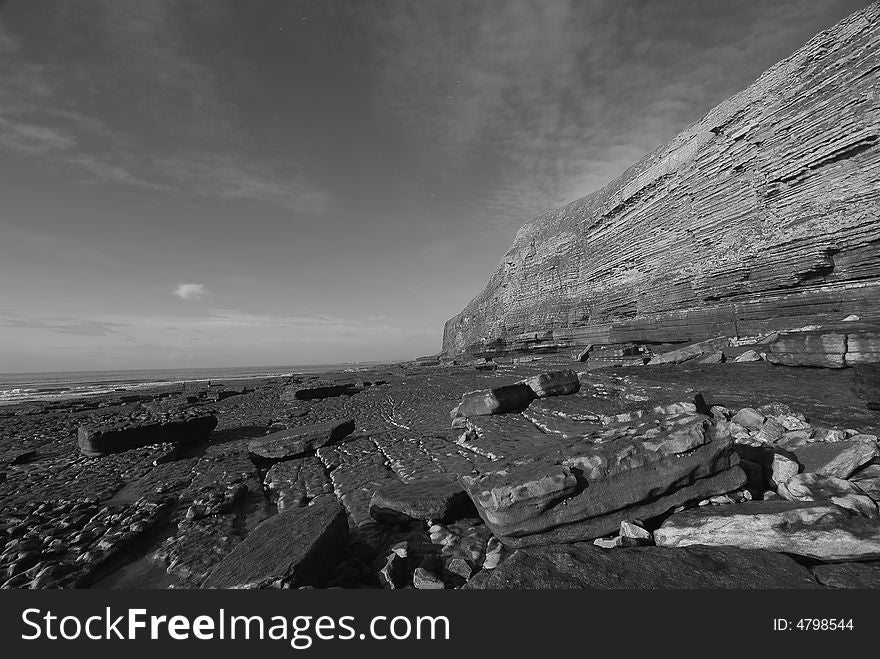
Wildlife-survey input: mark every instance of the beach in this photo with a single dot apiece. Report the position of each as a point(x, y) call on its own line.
point(167, 514)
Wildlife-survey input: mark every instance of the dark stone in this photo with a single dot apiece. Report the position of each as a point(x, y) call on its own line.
point(318, 391)
point(848, 575)
point(439, 498)
point(866, 384)
point(298, 547)
point(100, 440)
point(500, 400)
point(583, 565)
point(300, 440)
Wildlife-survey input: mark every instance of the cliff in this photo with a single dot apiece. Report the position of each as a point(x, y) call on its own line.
point(764, 214)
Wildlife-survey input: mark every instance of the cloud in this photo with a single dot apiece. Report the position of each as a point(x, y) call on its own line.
point(239, 178)
point(545, 102)
point(191, 291)
point(177, 130)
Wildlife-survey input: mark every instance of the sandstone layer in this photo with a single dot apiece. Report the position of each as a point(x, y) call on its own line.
point(762, 215)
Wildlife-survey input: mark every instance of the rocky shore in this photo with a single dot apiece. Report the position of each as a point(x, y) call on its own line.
point(626, 466)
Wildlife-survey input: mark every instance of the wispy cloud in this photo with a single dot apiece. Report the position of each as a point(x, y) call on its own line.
point(560, 97)
point(191, 291)
point(187, 133)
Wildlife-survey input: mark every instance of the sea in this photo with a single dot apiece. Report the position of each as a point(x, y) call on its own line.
point(24, 387)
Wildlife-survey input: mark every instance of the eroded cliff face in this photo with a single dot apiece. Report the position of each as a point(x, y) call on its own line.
point(765, 214)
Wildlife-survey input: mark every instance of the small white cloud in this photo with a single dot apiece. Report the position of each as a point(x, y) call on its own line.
point(191, 291)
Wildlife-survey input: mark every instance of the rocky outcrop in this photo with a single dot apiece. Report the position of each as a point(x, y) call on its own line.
point(762, 215)
point(572, 490)
point(830, 347)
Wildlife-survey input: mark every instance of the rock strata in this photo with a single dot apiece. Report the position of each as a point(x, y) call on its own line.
point(760, 216)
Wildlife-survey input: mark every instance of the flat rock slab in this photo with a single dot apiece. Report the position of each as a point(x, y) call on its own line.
point(838, 459)
point(821, 531)
point(583, 565)
point(554, 383)
point(589, 488)
point(440, 498)
point(500, 400)
point(689, 352)
point(318, 391)
point(848, 575)
point(100, 440)
point(301, 440)
point(297, 547)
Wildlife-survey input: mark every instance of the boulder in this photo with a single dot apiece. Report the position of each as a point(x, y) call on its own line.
point(572, 490)
point(300, 440)
point(100, 440)
point(848, 575)
point(500, 400)
point(749, 418)
point(432, 498)
point(554, 383)
point(820, 531)
point(838, 459)
point(295, 548)
point(582, 565)
point(814, 487)
point(689, 352)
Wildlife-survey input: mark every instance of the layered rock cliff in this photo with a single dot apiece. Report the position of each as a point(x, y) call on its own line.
point(763, 215)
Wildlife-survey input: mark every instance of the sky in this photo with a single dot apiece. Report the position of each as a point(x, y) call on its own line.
point(193, 183)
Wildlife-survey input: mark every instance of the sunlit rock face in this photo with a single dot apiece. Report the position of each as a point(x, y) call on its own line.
point(763, 215)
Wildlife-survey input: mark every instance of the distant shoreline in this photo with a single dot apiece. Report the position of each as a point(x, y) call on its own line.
point(64, 385)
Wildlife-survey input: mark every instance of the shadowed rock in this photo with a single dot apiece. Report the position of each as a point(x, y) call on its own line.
point(295, 548)
point(434, 498)
point(848, 575)
point(866, 384)
point(100, 440)
point(500, 400)
point(299, 441)
point(582, 565)
point(554, 383)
